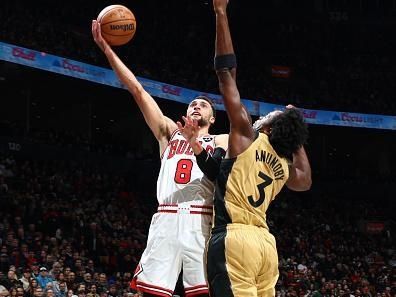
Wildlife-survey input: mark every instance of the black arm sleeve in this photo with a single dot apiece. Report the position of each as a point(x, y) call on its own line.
point(210, 164)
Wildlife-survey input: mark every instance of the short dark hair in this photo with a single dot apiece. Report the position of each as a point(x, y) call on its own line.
point(207, 99)
point(288, 132)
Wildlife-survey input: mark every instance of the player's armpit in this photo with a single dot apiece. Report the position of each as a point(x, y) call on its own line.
point(170, 127)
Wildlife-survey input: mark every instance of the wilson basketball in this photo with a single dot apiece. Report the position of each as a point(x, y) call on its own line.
point(117, 23)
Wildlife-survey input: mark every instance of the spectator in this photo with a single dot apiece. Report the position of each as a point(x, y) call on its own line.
point(93, 290)
point(25, 279)
point(12, 279)
point(113, 292)
point(49, 293)
point(38, 292)
point(56, 269)
point(103, 284)
point(70, 293)
point(3, 291)
point(62, 290)
point(20, 292)
point(13, 292)
point(43, 278)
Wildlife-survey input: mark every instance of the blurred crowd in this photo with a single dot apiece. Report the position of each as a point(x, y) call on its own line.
point(69, 230)
point(324, 250)
point(341, 63)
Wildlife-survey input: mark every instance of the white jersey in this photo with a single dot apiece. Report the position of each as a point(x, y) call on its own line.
point(181, 227)
point(180, 181)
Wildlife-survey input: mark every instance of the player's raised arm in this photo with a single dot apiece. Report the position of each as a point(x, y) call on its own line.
point(160, 125)
point(241, 132)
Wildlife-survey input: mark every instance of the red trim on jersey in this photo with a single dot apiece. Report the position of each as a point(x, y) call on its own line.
point(172, 135)
point(132, 284)
point(156, 293)
point(201, 212)
point(202, 206)
point(168, 205)
point(191, 209)
point(138, 270)
point(154, 287)
point(200, 292)
point(191, 212)
point(193, 206)
point(168, 210)
point(196, 287)
point(143, 287)
point(197, 290)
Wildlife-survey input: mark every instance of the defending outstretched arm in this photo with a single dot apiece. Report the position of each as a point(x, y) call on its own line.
point(241, 131)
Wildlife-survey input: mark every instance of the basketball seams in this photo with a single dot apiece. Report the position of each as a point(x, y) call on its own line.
point(117, 21)
point(115, 7)
point(104, 33)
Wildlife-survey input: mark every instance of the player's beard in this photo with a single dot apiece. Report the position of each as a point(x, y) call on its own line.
point(202, 122)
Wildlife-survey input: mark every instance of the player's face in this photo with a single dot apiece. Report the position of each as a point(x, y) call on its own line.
point(201, 111)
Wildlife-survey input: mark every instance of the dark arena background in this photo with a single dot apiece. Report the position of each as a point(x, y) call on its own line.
point(78, 164)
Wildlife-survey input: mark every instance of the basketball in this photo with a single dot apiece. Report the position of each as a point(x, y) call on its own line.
point(117, 23)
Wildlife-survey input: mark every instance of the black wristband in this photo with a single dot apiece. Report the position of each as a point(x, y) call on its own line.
point(210, 164)
point(219, 153)
point(202, 156)
point(225, 61)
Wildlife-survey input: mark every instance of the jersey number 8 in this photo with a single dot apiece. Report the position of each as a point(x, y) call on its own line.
point(183, 171)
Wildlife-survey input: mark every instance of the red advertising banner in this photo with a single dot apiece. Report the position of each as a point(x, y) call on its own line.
point(375, 227)
point(280, 71)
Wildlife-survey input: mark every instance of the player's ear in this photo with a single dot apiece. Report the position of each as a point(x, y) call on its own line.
point(212, 120)
point(266, 129)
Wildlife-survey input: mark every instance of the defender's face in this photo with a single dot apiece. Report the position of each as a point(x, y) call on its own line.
point(263, 124)
point(270, 117)
point(201, 111)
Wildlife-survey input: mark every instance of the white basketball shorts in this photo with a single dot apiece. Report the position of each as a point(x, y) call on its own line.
point(177, 239)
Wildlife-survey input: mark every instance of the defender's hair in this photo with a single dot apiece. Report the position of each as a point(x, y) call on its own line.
point(288, 132)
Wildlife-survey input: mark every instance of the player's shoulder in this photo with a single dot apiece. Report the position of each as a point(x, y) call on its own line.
point(221, 140)
point(220, 137)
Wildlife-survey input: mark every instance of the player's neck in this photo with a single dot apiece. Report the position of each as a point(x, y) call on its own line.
point(203, 131)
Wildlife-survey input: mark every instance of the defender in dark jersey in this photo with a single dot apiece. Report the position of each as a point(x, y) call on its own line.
point(241, 256)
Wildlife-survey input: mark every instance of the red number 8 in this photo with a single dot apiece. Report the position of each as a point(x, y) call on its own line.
point(183, 171)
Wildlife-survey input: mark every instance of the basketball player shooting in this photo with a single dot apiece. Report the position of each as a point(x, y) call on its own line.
point(242, 258)
point(180, 229)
